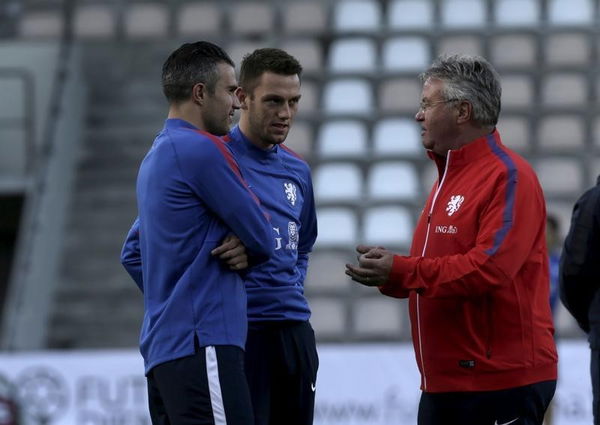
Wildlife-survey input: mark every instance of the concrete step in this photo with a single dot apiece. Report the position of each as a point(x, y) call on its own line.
point(84, 335)
point(96, 303)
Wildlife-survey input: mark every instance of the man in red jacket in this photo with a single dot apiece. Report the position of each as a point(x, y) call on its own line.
point(477, 274)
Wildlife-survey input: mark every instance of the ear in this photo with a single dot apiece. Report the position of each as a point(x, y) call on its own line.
point(465, 112)
point(198, 93)
point(242, 97)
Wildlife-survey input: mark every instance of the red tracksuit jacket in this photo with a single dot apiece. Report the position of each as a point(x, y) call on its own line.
point(477, 275)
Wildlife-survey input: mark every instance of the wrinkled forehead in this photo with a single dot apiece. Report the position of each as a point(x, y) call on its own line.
point(432, 88)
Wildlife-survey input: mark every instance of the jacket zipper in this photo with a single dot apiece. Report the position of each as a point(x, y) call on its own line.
point(437, 191)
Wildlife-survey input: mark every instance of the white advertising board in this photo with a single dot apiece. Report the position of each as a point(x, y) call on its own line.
point(357, 385)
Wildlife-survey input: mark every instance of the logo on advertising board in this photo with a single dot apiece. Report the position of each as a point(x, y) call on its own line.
point(9, 408)
point(69, 393)
point(42, 393)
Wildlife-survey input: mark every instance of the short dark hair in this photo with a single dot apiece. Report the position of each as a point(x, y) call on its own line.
point(268, 59)
point(190, 64)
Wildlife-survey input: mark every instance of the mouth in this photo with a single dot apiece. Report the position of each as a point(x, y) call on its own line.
point(280, 128)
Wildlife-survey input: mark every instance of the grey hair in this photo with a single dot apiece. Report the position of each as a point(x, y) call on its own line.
point(470, 78)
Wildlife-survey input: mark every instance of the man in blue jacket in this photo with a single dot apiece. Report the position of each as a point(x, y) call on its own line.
point(281, 355)
point(191, 195)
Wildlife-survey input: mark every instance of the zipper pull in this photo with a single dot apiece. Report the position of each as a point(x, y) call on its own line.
point(429, 218)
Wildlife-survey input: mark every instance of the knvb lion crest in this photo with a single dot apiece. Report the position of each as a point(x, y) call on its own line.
point(454, 204)
point(290, 192)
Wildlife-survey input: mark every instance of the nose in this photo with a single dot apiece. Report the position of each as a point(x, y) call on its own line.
point(420, 115)
point(236, 102)
point(284, 111)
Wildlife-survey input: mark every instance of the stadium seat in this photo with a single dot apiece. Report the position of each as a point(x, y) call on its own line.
point(342, 139)
point(378, 316)
point(338, 182)
point(348, 96)
point(237, 50)
point(397, 136)
point(41, 24)
point(409, 14)
point(357, 16)
point(515, 50)
point(198, 18)
point(146, 20)
point(460, 44)
point(307, 17)
point(400, 95)
point(561, 132)
point(328, 316)
point(393, 181)
point(514, 131)
point(567, 49)
point(308, 53)
point(300, 138)
point(352, 55)
point(309, 102)
point(570, 12)
point(565, 89)
point(561, 210)
point(517, 91)
point(94, 21)
point(594, 173)
point(596, 131)
point(511, 13)
point(250, 18)
point(406, 54)
point(326, 271)
point(388, 226)
point(559, 176)
point(429, 176)
point(337, 227)
point(463, 13)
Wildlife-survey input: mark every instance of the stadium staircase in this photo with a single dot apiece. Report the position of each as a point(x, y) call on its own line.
point(98, 305)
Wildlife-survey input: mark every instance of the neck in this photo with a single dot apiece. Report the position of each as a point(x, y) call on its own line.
point(188, 112)
point(469, 134)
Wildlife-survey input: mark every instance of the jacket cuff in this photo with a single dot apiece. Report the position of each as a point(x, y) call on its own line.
point(393, 287)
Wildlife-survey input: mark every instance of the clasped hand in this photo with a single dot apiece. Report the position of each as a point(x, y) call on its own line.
point(232, 252)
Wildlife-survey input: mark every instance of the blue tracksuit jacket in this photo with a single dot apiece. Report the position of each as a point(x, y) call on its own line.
point(191, 195)
point(282, 182)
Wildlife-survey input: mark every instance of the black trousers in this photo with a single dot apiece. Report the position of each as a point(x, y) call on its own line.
point(281, 367)
point(208, 388)
point(595, 372)
point(516, 406)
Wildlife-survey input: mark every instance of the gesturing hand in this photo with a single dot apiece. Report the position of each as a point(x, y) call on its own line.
point(374, 265)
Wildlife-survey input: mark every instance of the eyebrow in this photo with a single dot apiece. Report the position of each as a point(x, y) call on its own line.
point(272, 96)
